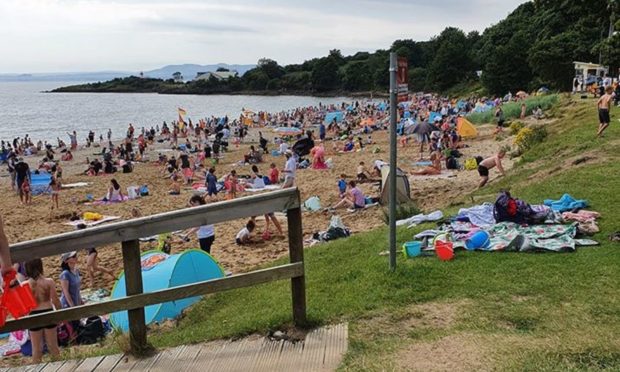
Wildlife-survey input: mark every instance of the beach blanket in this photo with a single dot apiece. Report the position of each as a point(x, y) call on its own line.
point(90, 222)
point(108, 202)
point(479, 215)
point(75, 185)
point(566, 203)
point(267, 187)
point(510, 236)
point(420, 218)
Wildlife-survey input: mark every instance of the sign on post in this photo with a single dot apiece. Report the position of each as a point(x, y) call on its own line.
point(402, 78)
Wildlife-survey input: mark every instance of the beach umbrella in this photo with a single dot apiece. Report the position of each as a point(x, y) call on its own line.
point(424, 128)
point(288, 131)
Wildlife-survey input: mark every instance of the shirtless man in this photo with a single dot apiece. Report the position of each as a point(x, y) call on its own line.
point(44, 291)
point(604, 106)
point(488, 163)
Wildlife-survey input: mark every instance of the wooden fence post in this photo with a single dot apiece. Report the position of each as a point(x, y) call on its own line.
point(296, 252)
point(133, 285)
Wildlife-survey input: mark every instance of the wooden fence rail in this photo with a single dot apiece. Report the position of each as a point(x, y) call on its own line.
point(128, 232)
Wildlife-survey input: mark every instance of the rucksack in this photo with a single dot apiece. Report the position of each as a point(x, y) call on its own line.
point(451, 163)
point(509, 209)
point(91, 332)
point(66, 334)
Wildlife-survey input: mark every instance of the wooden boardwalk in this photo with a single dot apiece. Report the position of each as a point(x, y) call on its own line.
point(322, 350)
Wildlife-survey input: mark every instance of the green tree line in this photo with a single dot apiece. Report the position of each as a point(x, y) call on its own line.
point(535, 45)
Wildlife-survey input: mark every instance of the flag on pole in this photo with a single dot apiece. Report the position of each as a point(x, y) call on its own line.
point(181, 121)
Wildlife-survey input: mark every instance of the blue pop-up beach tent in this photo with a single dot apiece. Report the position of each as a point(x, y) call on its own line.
point(161, 271)
point(40, 183)
point(330, 116)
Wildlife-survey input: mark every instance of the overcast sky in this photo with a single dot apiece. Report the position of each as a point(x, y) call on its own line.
point(134, 35)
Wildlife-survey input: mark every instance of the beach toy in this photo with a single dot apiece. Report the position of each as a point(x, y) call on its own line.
point(17, 300)
point(480, 239)
point(444, 250)
point(412, 249)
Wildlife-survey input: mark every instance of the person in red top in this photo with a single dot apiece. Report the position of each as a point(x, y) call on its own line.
point(274, 174)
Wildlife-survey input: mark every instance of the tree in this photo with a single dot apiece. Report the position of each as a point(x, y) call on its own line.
point(270, 68)
point(357, 77)
point(452, 63)
point(325, 76)
point(177, 76)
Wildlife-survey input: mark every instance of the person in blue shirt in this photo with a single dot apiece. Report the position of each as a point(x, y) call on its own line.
point(322, 131)
point(342, 185)
point(211, 182)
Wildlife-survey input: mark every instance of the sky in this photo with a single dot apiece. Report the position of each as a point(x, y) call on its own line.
point(135, 35)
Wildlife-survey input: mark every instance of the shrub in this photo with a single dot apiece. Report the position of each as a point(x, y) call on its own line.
point(529, 136)
point(515, 127)
point(512, 110)
point(403, 211)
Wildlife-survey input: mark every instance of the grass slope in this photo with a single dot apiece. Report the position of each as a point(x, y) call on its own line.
point(507, 311)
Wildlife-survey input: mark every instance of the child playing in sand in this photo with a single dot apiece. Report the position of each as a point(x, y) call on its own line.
point(342, 186)
point(44, 292)
point(92, 264)
point(488, 163)
point(244, 236)
point(362, 174)
point(274, 174)
point(175, 187)
point(55, 187)
point(26, 195)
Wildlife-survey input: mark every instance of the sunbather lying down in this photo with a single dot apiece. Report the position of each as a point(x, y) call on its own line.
point(434, 169)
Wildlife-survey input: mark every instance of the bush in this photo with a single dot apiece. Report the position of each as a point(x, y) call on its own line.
point(516, 127)
point(403, 211)
point(512, 110)
point(529, 136)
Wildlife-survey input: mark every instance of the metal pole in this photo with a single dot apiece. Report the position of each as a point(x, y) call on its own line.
point(392, 178)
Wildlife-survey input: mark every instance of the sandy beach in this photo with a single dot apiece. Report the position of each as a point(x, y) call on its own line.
point(36, 220)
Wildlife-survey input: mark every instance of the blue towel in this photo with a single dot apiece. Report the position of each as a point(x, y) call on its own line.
point(566, 203)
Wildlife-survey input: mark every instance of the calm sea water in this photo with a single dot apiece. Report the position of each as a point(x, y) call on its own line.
point(24, 109)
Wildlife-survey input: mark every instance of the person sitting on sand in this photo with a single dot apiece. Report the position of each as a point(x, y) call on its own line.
point(318, 157)
point(68, 156)
point(362, 174)
point(488, 163)
point(348, 145)
point(244, 236)
point(378, 164)
point(433, 169)
point(175, 186)
point(115, 194)
point(44, 292)
point(354, 199)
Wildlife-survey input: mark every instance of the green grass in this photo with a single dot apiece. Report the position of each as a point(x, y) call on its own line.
point(513, 110)
point(525, 312)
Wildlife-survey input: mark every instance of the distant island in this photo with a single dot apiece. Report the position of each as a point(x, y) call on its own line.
point(533, 46)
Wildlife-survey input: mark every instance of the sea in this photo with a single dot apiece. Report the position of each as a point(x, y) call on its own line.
point(26, 108)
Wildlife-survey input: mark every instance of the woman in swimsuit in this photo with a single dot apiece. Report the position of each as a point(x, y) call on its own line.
point(44, 291)
point(114, 192)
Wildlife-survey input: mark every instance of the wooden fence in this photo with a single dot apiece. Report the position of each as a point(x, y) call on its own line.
point(128, 233)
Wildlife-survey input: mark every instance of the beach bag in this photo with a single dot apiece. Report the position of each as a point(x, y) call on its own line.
point(266, 180)
point(66, 334)
point(144, 190)
point(471, 164)
point(451, 163)
point(91, 332)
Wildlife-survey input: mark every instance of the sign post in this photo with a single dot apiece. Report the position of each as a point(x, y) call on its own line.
point(403, 79)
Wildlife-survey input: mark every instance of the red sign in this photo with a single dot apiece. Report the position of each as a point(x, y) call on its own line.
point(402, 79)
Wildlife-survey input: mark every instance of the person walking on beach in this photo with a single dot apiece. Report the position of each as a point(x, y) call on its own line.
point(22, 173)
point(604, 106)
point(290, 168)
point(488, 163)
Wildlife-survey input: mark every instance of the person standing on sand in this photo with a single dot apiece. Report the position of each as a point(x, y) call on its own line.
point(604, 106)
point(73, 140)
point(488, 163)
point(290, 168)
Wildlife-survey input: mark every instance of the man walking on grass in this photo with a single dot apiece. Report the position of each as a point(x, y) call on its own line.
point(604, 106)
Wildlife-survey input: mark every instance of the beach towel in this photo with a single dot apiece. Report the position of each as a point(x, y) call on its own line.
point(267, 187)
point(513, 237)
point(108, 202)
point(566, 203)
point(76, 185)
point(479, 215)
point(420, 218)
point(91, 222)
